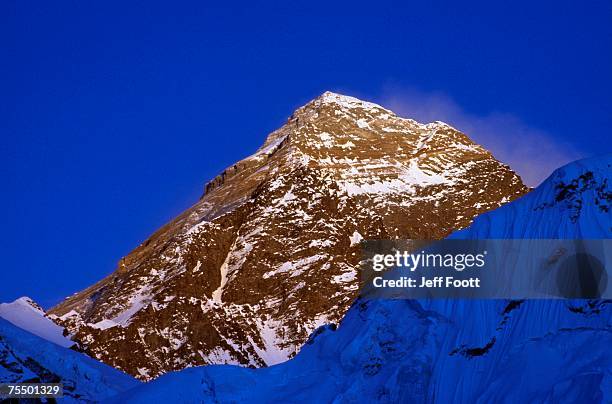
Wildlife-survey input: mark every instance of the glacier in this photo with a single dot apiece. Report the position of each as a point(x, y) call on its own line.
point(461, 351)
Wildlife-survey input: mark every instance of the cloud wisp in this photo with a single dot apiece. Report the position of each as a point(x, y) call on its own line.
point(533, 153)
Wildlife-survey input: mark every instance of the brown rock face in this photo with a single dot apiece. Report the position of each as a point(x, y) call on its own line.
point(271, 251)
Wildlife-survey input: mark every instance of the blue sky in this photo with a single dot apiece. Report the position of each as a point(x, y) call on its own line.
point(115, 115)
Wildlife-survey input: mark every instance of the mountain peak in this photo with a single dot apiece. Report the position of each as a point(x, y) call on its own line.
point(346, 101)
point(28, 302)
point(358, 108)
point(268, 253)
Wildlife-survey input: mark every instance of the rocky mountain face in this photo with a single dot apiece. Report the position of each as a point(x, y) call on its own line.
point(271, 250)
point(449, 350)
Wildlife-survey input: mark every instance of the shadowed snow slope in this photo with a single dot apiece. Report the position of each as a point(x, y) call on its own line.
point(449, 350)
point(26, 358)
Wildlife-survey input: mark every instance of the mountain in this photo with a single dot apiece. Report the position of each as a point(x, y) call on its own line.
point(460, 351)
point(270, 252)
point(27, 358)
point(26, 314)
point(574, 202)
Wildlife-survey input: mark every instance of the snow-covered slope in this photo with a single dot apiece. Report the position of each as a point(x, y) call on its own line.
point(26, 314)
point(446, 351)
point(24, 357)
point(574, 202)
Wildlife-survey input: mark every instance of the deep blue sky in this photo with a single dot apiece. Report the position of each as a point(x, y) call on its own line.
point(115, 114)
